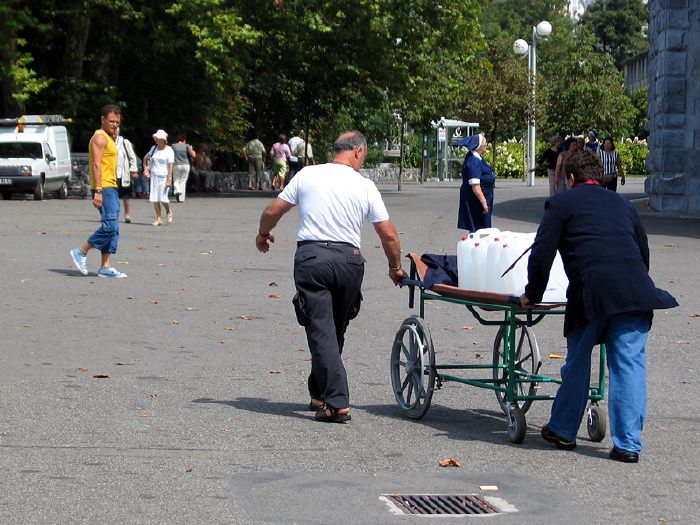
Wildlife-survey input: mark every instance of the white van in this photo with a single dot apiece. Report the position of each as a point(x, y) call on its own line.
point(34, 156)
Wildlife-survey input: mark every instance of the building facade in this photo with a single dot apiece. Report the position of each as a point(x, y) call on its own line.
point(674, 107)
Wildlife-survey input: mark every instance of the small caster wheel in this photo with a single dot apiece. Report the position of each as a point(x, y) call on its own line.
point(597, 423)
point(516, 424)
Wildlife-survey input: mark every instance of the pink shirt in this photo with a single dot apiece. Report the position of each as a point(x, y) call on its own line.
point(280, 151)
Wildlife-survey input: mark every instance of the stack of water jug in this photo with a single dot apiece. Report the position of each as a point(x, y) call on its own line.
point(484, 255)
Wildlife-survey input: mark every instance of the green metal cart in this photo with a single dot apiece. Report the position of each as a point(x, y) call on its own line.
point(515, 366)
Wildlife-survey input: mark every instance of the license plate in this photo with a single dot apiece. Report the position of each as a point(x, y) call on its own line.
point(5, 181)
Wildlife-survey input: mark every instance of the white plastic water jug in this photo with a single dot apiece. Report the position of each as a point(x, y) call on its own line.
point(557, 284)
point(471, 258)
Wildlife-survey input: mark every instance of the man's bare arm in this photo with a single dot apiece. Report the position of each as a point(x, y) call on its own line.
point(392, 249)
point(268, 220)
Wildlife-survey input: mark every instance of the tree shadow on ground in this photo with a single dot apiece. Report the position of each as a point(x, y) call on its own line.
point(531, 210)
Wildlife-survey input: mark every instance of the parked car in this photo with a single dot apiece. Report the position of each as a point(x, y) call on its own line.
point(34, 156)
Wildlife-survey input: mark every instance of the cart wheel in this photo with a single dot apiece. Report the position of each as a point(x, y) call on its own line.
point(527, 360)
point(413, 367)
point(516, 424)
point(597, 423)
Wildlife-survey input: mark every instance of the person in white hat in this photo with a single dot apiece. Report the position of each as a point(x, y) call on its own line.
point(158, 166)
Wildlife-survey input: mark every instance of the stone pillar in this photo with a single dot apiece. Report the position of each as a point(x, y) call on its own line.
point(674, 107)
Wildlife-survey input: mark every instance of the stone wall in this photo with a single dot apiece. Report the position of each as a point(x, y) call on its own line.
point(674, 107)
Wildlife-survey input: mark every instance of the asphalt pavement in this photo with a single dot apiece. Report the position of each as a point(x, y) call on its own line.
point(178, 395)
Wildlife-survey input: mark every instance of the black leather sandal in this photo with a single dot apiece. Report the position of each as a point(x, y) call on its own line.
point(332, 415)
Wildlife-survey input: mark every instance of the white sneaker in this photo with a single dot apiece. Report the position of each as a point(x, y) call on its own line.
point(79, 261)
point(110, 272)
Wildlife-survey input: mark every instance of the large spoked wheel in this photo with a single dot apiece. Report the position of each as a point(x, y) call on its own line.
point(526, 361)
point(413, 367)
point(517, 426)
point(597, 423)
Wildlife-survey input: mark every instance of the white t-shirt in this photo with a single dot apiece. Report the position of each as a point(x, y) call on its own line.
point(160, 159)
point(293, 143)
point(333, 202)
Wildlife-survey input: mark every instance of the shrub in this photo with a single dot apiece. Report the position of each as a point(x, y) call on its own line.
point(633, 154)
point(509, 159)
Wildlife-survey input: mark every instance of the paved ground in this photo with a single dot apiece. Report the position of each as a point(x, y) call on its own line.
point(201, 416)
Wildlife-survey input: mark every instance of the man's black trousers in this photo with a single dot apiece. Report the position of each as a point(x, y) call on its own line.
point(328, 278)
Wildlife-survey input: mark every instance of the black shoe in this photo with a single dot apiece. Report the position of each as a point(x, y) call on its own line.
point(626, 456)
point(561, 443)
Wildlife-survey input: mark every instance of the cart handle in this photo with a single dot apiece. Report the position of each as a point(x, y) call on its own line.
point(515, 300)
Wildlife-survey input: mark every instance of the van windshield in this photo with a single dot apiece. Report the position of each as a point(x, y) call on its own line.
point(20, 150)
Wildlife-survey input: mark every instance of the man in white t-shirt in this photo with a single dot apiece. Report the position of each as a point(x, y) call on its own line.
point(334, 200)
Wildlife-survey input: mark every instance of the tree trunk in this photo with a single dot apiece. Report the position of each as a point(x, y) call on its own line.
point(77, 22)
point(8, 51)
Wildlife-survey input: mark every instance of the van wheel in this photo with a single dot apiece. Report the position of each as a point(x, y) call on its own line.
point(62, 193)
point(6, 195)
point(39, 192)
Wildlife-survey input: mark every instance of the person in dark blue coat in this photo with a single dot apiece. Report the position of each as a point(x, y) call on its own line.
point(476, 192)
point(610, 300)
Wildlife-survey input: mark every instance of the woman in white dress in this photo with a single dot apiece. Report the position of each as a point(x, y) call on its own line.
point(158, 166)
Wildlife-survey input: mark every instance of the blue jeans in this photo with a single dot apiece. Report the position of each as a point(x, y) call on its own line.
point(106, 238)
point(625, 336)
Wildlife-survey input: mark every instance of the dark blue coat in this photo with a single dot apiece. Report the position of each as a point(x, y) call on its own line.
point(471, 214)
point(605, 252)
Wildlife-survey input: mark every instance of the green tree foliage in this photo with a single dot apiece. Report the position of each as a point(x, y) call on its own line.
point(582, 89)
point(619, 26)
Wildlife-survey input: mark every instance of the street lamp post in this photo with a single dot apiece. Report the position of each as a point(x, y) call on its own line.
point(521, 48)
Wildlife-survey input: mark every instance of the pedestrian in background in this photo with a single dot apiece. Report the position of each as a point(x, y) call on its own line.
point(181, 166)
point(476, 192)
point(105, 196)
point(334, 200)
point(279, 154)
point(127, 172)
point(254, 153)
point(158, 165)
point(612, 167)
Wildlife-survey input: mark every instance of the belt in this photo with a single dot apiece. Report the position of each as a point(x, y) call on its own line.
point(326, 243)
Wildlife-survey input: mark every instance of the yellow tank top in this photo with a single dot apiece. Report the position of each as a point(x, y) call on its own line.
point(109, 163)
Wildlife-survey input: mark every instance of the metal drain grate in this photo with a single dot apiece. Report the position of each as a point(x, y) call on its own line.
point(441, 505)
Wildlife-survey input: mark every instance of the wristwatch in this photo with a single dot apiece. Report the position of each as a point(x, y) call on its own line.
point(98, 190)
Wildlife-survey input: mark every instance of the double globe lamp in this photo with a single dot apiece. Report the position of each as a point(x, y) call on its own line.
point(522, 48)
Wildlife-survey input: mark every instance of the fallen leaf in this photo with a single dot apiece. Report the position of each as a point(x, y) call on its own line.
point(224, 429)
point(468, 327)
point(131, 298)
point(161, 264)
point(247, 317)
point(694, 315)
point(273, 296)
point(663, 520)
point(145, 414)
point(478, 356)
point(555, 356)
point(204, 253)
point(153, 301)
point(221, 341)
point(190, 309)
point(274, 371)
point(273, 283)
point(488, 487)
point(301, 350)
point(669, 245)
point(176, 322)
point(100, 376)
point(189, 469)
point(82, 369)
point(228, 328)
point(153, 395)
point(449, 462)
point(122, 262)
